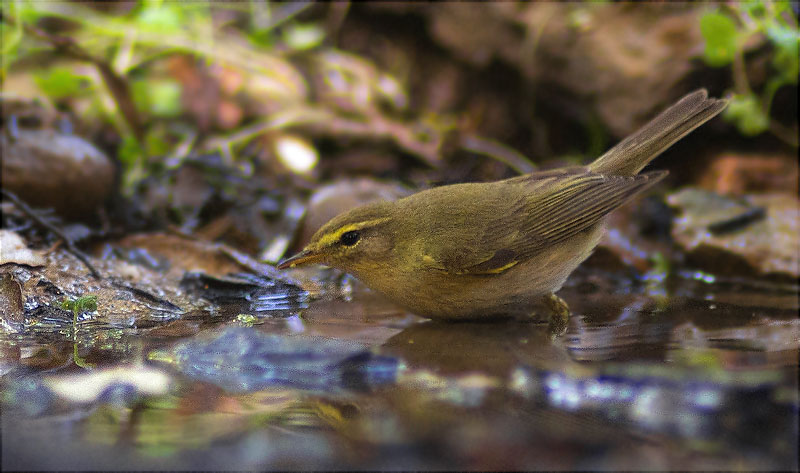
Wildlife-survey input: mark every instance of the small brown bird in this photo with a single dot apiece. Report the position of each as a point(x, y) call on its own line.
point(498, 249)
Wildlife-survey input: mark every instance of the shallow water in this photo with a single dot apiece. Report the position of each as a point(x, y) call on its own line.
point(692, 371)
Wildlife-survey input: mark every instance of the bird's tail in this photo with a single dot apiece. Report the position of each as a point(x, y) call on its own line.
point(633, 153)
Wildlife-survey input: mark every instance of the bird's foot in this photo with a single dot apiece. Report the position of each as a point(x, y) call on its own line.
point(559, 315)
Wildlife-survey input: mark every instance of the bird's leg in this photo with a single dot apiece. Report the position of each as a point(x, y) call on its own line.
point(559, 314)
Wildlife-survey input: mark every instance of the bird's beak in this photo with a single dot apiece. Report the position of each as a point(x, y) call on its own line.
point(304, 257)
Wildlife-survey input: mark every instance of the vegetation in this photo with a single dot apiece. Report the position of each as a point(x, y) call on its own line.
point(87, 303)
point(728, 32)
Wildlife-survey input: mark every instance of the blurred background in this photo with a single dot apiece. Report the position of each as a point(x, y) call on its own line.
point(159, 156)
point(302, 93)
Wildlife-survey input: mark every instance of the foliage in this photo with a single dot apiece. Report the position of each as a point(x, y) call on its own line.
point(728, 31)
point(719, 32)
point(60, 82)
point(80, 305)
point(131, 39)
point(158, 97)
point(180, 77)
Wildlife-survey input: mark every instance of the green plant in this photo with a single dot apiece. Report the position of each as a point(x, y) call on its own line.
point(727, 31)
point(77, 306)
point(125, 42)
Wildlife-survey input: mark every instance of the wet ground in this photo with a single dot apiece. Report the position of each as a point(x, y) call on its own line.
point(693, 371)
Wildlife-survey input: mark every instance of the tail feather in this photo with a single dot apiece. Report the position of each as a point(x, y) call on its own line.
point(633, 153)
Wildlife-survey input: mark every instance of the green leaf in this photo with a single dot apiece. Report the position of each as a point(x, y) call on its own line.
point(156, 143)
point(754, 8)
point(784, 38)
point(27, 12)
point(787, 65)
point(262, 38)
point(781, 6)
point(11, 37)
point(159, 97)
point(86, 303)
point(301, 37)
point(59, 82)
point(747, 113)
point(165, 98)
point(787, 52)
point(130, 152)
point(162, 18)
point(719, 32)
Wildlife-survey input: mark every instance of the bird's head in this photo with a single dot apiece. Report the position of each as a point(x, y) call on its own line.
point(356, 239)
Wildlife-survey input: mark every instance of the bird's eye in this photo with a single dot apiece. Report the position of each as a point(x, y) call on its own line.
point(350, 238)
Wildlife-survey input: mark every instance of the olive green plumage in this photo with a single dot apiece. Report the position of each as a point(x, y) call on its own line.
point(502, 248)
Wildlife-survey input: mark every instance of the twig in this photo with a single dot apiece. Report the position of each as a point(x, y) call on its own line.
point(740, 82)
point(22, 206)
point(783, 133)
point(337, 12)
point(497, 151)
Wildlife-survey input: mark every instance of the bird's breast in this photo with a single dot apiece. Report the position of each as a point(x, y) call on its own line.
point(437, 294)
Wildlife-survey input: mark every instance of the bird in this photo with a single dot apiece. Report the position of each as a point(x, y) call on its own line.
point(502, 249)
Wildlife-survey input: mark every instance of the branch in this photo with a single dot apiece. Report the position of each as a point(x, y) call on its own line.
point(24, 208)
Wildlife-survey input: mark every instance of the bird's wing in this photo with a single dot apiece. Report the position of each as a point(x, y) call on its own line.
point(548, 208)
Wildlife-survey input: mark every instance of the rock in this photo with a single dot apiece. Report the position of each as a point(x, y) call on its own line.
point(634, 234)
point(12, 313)
point(239, 359)
point(740, 173)
point(14, 250)
point(755, 235)
point(635, 55)
point(91, 386)
point(49, 169)
point(173, 255)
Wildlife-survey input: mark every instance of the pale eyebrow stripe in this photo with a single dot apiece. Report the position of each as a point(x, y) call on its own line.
point(332, 237)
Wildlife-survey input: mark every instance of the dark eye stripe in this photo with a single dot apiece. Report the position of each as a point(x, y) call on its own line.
point(350, 238)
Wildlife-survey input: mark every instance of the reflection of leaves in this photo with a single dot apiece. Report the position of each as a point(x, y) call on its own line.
point(719, 32)
point(167, 424)
point(746, 112)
